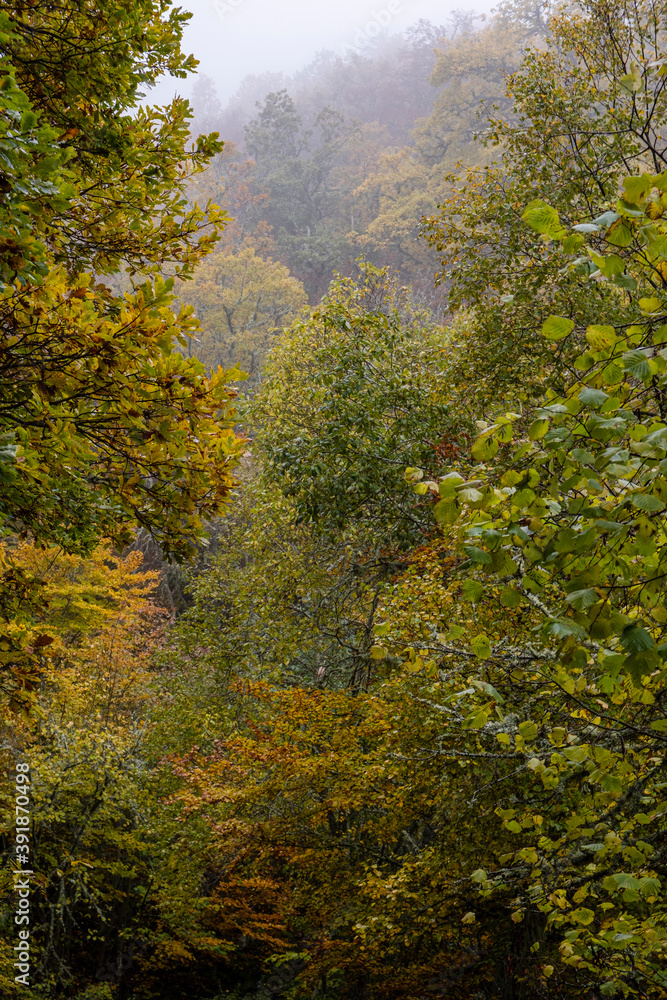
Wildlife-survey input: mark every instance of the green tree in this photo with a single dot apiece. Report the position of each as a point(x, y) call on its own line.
point(104, 426)
point(296, 166)
point(349, 396)
point(241, 301)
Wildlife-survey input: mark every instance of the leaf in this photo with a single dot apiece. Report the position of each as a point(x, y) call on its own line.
point(43, 640)
point(476, 720)
point(446, 511)
point(561, 629)
point(544, 219)
point(593, 397)
point(378, 652)
point(528, 730)
point(470, 495)
point(484, 448)
point(659, 725)
point(612, 783)
point(477, 555)
point(636, 188)
point(538, 429)
point(481, 647)
point(606, 219)
point(620, 234)
point(582, 599)
point(636, 639)
point(637, 364)
point(647, 502)
point(449, 483)
point(511, 598)
point(473, 591)
point(557, 327)
point(601, 337)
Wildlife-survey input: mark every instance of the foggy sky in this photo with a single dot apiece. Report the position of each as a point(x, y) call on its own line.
point(233, 38)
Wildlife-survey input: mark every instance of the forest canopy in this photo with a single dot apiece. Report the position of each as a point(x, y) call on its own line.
point(333, 483)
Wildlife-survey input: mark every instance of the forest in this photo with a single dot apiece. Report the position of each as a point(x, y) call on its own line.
point(333, 508)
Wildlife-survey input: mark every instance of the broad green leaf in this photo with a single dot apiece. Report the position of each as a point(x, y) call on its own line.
point(635, 189)
point(601, 337)
point(511, 598)
point(647, 502)
point(544, 220)
point(636, 639)
point(477, 555)
point(484, 448)
point(481, 647)
point(557, 327)
point(637, 364)
point(473, 591)
point(476, 720)
point(449, 483)
point(528, 730)
point(446, 511)
point(538, 429)
point(593, 397)
point(582, 599)
point(621, 234)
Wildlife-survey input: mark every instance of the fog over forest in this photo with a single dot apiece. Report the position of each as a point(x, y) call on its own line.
point(333, 500)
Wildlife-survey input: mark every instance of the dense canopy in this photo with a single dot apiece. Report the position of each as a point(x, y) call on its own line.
point(333, 493)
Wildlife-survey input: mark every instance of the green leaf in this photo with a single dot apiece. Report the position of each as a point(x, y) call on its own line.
point(528, 730)
point(561, 629)
point(538, 429)
point(449, 483)
point(484, 448)
point(620, 234)
point(636, 188)
point(660, 725)
point(582, 599)
point(544, 219)
point(477, 555)
point(476, 720)
point(647, 502)
point(473, 591)
point(593, 397)
point(637, 364)
point(557, 327)
point(446, 511)
point(636, 639)
point(511, 598)
point(601, 337)
point(481, 647)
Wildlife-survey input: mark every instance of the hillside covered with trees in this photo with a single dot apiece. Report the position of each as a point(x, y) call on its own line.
point(333, 493)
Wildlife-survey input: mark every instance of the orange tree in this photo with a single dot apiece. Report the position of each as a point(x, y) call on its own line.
point(93, 634)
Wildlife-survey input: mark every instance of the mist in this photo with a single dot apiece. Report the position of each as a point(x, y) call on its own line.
point(233, 39)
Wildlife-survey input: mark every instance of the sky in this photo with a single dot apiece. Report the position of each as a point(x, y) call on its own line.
point(234, 38)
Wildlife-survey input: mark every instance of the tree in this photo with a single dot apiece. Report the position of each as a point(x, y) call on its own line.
point(568, 99)
point(94, 633)
point(91, 384)
point(297, 168)
point(349, 396)
point(242, 301)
